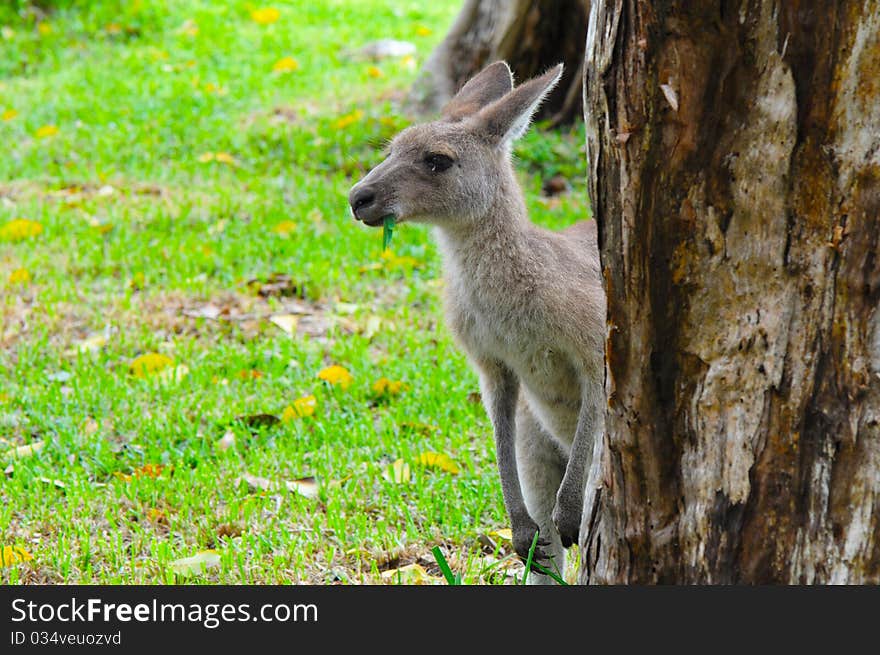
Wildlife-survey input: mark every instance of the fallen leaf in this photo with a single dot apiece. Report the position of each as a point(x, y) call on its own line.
point(336, 375)
point(277, 284)
point(285, 228)
point(385, 387)
point(211, 312)
point(307, 487)
point(10, 555)
point(439, 461)
point(20, 452)
point(301, 407)
point(19, 229)
point(19, 276)
point(46, 131)
point(348, 119)
point(265, 15)
point(411, 574)
point(286, 322)
point(148, 364)
point(90, 426)
point(225, 158)
point(503, 533)
point(285, 65)
point(197, 564)
point(56, 483)
point(398, 472)
point(227, 441)
point(157, 516)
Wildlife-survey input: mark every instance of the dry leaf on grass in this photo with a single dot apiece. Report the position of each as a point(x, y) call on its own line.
point(286, 322)
point(439, 461)
point(413, 574)
point(307, 487)
point(398, 472)
point(20, 452)
point(10, 555)
point(197, 564)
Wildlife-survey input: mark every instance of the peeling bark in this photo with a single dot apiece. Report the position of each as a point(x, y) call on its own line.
point(734, 152)
point(531, 35)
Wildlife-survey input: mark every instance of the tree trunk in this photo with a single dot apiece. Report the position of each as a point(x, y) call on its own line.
point(531, 35)
point(734, 152)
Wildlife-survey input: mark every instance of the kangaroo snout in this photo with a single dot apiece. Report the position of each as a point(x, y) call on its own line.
point(365, 205)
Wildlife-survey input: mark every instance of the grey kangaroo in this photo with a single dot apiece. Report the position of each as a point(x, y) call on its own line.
point(526, 304)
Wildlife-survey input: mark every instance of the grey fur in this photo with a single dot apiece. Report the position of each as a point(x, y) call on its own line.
point(526, 304)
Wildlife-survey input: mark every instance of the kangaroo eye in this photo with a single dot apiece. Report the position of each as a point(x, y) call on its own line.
point(437, 163)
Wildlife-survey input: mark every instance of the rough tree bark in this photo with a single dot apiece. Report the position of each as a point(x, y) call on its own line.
point(734, 151)
point(531, 35)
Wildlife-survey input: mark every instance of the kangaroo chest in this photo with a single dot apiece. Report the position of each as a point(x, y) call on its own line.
point(515, 334)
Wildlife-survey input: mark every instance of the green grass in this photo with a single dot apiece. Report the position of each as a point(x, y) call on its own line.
point(139, 234)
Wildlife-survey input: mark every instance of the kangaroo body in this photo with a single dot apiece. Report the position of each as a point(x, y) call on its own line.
point(525, 303)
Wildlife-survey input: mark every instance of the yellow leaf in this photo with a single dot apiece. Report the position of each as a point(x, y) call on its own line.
point(265, 15)
point(304, 406)
point(198, 563)
point(44, 28)
point(10, 555)
point(394, 261)
point(374, 71)
point(113, 28)
point(8, 115)
point(225, 158)
point(20, 228)
point(413, 574)
point(19, 276)
point(439, 461)
point(398, 472)
point(344, 121)
point(20, 452)
point(286, 322)
point(285, 228)
point(206, 157)
point(421, 30)
point(46, 131)
point(336, 375)
point(503, 533)
point(156, 516)
point(285, 65)
point(385, 387)
point(149, 363)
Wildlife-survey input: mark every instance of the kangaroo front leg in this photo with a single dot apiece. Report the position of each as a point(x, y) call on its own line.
point(570, 497)
point(500, 388)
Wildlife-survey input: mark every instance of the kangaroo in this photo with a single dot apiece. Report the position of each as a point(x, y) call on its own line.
point(526, 304)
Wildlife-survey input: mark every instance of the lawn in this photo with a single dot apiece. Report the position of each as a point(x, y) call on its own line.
point(200, 350)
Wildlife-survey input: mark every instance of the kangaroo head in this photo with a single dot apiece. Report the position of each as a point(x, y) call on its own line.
point(451, 170)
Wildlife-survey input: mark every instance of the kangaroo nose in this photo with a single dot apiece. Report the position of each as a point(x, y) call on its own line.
point(360, 199)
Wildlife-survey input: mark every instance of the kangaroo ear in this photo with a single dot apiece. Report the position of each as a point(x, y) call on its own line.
point(489, 84)
point(507, 118)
